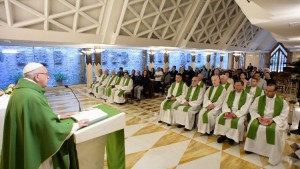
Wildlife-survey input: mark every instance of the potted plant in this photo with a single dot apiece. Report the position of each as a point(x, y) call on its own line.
point(59, 77)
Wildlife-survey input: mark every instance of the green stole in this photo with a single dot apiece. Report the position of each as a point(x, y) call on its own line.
point(242, 101)
point(125, 83)
point(258, 91)
point(111, 80)
point(270, 130)
point(227, 85)
point(201, 84)
point(214, 99)
point(107, 90)
point(194, 97)
point(94, 83)
point(169, 103)
point(118, 80)
point(103, 78)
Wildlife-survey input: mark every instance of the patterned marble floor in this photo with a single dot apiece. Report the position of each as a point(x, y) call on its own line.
point(157, 146)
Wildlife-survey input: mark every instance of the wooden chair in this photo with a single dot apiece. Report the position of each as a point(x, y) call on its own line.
point(128, 97)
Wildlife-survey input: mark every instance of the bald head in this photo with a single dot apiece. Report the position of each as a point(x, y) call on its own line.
point(215, 80)
point(195, 81)
point(223, 79)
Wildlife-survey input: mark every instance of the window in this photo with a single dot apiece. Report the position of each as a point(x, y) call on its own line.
point(278, 58)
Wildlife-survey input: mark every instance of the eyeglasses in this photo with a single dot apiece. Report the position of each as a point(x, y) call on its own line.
point(46, 74)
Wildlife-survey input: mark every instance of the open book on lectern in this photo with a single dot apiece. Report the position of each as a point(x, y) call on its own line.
point(93, 115)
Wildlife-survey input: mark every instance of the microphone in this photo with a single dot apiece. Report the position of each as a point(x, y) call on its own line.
point(79, 107)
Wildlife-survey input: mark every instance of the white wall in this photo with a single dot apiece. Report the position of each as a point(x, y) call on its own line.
point(296, 56)
point(252, 58)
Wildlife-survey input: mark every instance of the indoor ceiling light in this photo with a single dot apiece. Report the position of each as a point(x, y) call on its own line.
point(236, 54)
point(10, 51)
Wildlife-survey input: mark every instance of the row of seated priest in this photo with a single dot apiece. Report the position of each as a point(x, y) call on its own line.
point(113, 87)
point(228, 113)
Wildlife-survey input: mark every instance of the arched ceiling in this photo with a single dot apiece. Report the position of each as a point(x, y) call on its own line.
point(192, 24)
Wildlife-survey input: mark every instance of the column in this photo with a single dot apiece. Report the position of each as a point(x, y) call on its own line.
point(193, 60)
point(89, 69)
point(151, 60)
point(166, 60)
point(208, 61)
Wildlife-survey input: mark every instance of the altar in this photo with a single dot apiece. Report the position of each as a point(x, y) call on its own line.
point(3, 104)
point(92, 141)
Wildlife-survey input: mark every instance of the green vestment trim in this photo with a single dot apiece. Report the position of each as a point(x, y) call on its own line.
point(227, 85)
point(214, 99)
point(118, 81)
point(242, 101)
point(169, 103)
point(270, 130)
point(126, 84)
point(115, 145)
point(195, 97)
point(258, 91)
point(104, 77)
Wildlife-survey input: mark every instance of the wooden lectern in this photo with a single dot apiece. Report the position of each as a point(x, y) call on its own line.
point(91, 140)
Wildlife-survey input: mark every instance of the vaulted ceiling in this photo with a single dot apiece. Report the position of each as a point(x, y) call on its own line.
point(191, 24)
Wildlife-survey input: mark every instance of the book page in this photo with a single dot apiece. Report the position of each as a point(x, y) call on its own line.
point(93, 115)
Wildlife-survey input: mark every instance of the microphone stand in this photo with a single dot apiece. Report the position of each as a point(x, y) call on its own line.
point(79, 107)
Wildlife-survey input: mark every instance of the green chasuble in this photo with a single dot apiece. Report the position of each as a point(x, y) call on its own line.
point(33, 132)
point(270, 130)
point(169, 103)
point(230, 100)
point(258, 91)
point(213, 99)
point(188, 95)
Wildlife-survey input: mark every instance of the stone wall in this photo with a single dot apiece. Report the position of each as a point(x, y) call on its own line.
point(66, 61)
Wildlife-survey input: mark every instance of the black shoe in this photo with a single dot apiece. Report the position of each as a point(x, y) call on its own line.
point(180, 126)
point(186, 129)
point(91, 93)
point(221, 139)
point(295, 132)
point(159, 121)
point(248, 152)
point(231, 142)
point(212, 132)
point(168, 124)
point(138, 100)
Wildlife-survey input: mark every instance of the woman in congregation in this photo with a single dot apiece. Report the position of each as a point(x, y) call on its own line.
point(243, 77)
point(143, 86)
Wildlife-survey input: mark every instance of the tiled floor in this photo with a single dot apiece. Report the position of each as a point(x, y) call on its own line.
point(157, 146)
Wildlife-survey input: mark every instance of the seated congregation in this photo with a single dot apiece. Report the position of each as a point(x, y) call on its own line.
point(238, 109)
point(225, 112)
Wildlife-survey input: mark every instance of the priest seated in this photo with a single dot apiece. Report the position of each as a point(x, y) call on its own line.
point(228, 86)
point(184, 113)
point(125, 86)
point(267, 128)
point(109, 85)
point(96, 82)
point(212, 104)
point(231, 123)
point(111, 93)
point(174, 97)
point(101, 85)
point(254, 90)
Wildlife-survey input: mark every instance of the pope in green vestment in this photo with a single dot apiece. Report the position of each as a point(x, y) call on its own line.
point(33, 133)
